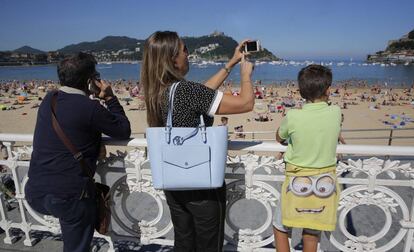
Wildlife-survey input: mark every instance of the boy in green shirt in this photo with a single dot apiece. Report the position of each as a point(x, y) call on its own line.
point(310, 192)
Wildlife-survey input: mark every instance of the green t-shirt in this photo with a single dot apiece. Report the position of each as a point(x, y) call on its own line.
point(312, 134)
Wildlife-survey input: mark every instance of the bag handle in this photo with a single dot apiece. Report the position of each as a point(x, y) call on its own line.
point(59, 131)
point(178, 140)
point(168, 126)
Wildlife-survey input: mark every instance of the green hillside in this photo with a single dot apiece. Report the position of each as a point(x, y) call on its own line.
point(399, 51)
point(223, 51)
point(109, 43)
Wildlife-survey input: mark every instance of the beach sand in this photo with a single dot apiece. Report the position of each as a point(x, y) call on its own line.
point(362, 115)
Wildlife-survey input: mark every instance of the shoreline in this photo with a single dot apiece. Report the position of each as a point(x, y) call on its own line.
point(348, 83)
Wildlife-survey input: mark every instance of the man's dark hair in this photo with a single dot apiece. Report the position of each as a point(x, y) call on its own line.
point(313, 81)
point(75, 70)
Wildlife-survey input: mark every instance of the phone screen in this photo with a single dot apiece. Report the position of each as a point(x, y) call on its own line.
point(92, 86)
point(251, 46)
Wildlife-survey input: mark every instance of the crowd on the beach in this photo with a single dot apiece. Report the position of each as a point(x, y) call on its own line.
point(278, 96)
point(14, 94)
point(282, 96)
point(271, 99)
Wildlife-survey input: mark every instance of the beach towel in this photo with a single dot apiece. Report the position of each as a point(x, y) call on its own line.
point(310, 198)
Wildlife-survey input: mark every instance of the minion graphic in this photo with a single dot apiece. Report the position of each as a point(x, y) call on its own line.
point(310, 198)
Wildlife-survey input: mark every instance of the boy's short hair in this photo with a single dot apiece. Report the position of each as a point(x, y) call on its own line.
point(75, 70)
point(313, 81)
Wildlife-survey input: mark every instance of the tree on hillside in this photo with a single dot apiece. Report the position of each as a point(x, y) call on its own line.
point(401, 45)
point(411, 34)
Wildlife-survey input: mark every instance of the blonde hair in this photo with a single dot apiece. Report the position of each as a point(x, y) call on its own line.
point(158, 71)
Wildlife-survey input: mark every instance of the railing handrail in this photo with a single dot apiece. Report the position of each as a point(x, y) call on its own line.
point(382, 150)
point(384, 129)
point(274, 131)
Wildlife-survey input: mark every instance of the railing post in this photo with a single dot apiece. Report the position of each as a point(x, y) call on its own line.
point(146, 148)
point(8, 152)
point(5, 222)
point(390, 139)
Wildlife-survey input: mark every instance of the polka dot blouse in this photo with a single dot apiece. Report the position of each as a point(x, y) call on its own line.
point(190, 101)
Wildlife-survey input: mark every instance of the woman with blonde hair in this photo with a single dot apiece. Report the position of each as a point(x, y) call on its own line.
point(198, 215)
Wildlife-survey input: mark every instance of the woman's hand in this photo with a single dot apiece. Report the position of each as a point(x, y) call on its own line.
point(245, 101)
point(238, 53)
point(216, 80)
point(246, 69)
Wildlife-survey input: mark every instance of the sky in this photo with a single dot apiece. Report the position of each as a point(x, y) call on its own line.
point(291, 29)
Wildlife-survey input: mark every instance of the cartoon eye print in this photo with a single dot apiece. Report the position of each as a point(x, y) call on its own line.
point(324, 186)
point(301, 186)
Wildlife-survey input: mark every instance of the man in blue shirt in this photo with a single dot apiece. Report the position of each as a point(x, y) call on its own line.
point(57, 184)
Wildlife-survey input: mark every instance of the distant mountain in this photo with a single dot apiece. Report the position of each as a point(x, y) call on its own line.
point(223, 49)
point(109, 43)
point(28, 49)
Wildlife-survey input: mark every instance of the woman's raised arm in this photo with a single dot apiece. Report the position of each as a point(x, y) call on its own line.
point(216, 80)
point(245, 101)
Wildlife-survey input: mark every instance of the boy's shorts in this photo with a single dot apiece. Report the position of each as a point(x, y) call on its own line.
point(277, 223)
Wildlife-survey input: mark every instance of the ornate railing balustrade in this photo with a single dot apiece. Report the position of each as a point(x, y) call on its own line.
point(375, 185)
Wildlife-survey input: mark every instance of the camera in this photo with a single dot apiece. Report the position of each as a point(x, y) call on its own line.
point(93, 88)
point(252, 46)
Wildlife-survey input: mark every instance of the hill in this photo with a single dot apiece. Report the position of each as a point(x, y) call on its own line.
point(400, 51)
point(109, 43)
point(28, 49)
point(216, 46)
point(404, 43)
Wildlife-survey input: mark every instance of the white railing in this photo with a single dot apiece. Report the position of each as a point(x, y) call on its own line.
point(253, 182)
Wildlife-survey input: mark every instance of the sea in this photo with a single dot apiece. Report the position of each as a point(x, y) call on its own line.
point(266, 73)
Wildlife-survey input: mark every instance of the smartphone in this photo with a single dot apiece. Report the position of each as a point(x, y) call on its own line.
point(93, 88)
point(252, 46)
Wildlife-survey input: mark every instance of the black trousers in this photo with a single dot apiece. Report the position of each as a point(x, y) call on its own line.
point(198, 217)
point(76, 217)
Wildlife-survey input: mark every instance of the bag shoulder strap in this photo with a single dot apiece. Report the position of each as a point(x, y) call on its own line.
point(61, 134)
point(171, 104)
point(180, 140)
